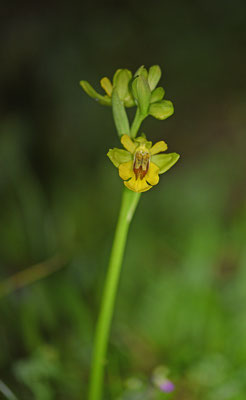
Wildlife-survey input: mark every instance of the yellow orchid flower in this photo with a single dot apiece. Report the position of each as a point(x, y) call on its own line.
point(140, 164)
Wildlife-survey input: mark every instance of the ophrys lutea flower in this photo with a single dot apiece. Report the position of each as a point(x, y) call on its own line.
point(141, 164)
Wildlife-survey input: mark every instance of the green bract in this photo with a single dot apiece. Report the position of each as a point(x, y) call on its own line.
point(119, 114)
point(104, 100)
point(142, 93)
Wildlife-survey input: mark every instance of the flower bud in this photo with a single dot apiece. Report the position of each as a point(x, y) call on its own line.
point(107, 86)
point(157, 95)
point(121, 81)
point(154, 76)
point(141, 71)
point(161, 110)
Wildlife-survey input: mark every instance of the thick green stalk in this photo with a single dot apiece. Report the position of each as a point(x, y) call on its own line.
point(128, 205)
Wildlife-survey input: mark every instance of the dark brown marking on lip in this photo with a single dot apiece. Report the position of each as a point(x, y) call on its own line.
point(141, 164)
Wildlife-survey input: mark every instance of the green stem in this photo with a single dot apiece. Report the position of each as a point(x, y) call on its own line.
point(138, 119)
point(129, 203)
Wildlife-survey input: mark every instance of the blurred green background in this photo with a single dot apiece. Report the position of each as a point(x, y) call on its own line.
point(181, 301)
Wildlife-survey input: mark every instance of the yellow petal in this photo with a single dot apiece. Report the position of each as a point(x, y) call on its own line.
point(128, 143)
point(137, 185)
point(158, 147)
point(126, 170)
point(107, 86)
point(152, 176)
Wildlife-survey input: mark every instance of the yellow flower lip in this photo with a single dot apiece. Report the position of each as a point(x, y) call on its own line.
point(140, 164)
point(142, 180)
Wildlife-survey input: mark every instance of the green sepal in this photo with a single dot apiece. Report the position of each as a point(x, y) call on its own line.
point(154, 76)
point(119, 114)
point(157, 95)
point(165, 161)
point(121, 81)
point(104, 100)
point(116, 75)
point(141, 93)
point(162, 109)
point(141, 71)
point(119, 156)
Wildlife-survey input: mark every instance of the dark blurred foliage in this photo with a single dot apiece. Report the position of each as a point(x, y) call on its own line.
point(182, 295)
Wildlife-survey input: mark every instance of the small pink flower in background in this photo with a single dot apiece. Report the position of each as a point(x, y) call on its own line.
point(161, 381)
point(167, 386)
